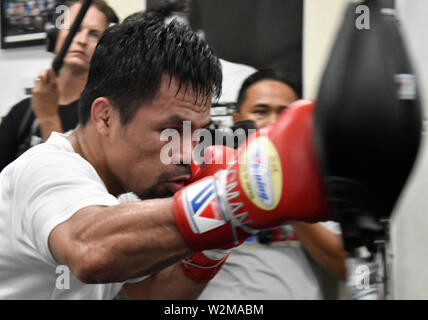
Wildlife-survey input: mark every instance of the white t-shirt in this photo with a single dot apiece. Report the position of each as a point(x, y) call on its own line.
point(234, 74)
point(279, 271)
point(41, 189)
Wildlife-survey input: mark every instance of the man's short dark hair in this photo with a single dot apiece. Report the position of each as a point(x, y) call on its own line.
point(268, 74)
point(132, 57)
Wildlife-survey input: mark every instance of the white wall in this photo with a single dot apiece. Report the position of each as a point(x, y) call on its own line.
point(19, 67)
point(321, 22)
point(410, 223)
point(124, 8)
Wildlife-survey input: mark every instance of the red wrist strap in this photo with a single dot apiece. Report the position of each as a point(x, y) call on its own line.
point(200, 268)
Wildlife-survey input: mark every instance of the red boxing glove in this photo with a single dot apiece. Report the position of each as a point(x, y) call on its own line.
point(275, 179)
point(215, 158)
point(203, 266)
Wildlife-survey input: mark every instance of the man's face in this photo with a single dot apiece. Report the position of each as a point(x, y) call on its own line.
point(134, 150)
point(264, 102)
point(84, 42)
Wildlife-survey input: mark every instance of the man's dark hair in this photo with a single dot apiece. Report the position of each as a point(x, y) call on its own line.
point(132, 57)
point(268, 74)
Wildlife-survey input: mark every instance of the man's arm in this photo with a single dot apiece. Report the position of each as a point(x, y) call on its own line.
point(113, 244)
point(45, 103)
point(170, 283)
point(324, 245)
point(50, 124)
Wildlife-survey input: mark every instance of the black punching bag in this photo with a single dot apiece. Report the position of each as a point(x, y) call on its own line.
point(367, 121)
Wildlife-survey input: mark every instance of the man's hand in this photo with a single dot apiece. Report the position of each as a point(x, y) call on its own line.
point(44, 102)
point(278, 181)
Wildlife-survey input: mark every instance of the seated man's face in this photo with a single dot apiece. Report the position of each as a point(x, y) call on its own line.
point(86, 39)
point(264, 101)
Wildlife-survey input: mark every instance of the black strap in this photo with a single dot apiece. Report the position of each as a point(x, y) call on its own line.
point(25, 123)
point(27, 129)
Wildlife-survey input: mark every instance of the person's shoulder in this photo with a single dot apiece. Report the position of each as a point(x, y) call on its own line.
point(56, 145)
point(17, 121)
point(21, 107)
point(55, 155)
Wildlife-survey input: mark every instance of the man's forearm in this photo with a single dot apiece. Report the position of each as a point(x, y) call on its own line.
point(113, 244)
point(325, 246)
point(49, 124)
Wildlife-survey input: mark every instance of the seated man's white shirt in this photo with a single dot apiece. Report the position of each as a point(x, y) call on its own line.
point(39, 191)
point(281, 270)
point(234, 74)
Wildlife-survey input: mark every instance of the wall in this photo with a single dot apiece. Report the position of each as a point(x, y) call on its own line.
point(269, 31)
point(321, 22)
point(124, 8)
point(19, 67)
point(410, 223)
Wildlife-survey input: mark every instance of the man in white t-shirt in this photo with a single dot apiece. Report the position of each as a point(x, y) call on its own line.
point(63, 233)
point(277, 264)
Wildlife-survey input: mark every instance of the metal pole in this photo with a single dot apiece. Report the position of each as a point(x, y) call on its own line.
point(59, 59)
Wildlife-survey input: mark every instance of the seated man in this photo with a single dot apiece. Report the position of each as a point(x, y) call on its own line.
point(275, 264)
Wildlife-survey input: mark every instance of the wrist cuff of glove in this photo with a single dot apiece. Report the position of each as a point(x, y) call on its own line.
point(199, 218)
point(201, 268)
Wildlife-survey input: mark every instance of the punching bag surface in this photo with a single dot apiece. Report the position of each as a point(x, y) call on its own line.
point(367, 122)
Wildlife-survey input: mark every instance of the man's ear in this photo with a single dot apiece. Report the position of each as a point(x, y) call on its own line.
point(102, 113)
